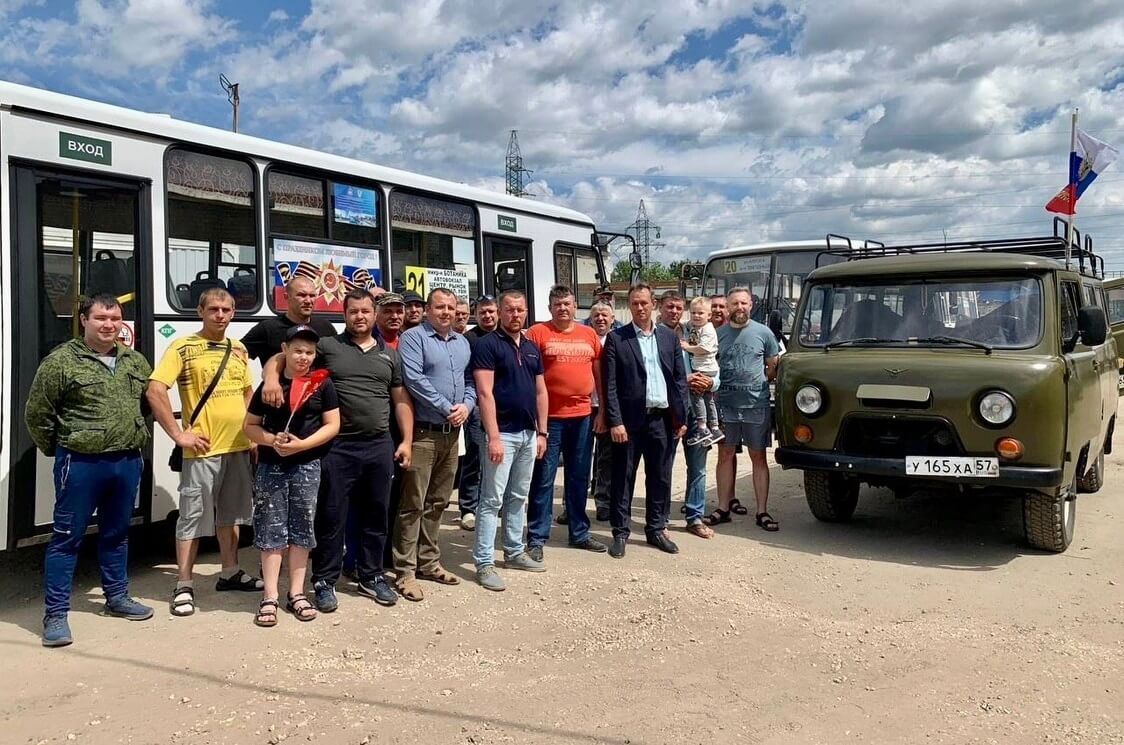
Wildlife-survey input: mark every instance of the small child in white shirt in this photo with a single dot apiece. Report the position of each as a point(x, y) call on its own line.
point(701, 343)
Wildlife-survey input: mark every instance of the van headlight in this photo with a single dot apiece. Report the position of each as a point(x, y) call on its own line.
point(809, 399)
point(997, 407)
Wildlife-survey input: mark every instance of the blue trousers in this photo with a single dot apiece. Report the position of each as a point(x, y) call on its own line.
point(107, 483)
point(569, 441)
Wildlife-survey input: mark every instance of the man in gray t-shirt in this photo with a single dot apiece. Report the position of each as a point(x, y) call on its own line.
point(747, 361)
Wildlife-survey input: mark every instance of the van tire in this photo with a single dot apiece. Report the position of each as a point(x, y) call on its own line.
point(1093, 479)
point(831, 497)
point(1048, 521)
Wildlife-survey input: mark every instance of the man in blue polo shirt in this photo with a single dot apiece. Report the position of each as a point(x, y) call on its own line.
point(511, 394)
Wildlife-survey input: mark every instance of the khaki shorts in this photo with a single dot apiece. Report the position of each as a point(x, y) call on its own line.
point(214, 491)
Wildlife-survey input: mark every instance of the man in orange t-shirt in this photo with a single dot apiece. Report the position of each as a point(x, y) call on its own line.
point(571, 355)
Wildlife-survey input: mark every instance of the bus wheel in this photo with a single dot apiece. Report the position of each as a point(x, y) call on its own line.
point(1048, 521)
point(831, 497)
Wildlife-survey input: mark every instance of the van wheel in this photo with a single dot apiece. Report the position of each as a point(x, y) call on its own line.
point(831, 497)
point(1048, 521)
point(1093, 479)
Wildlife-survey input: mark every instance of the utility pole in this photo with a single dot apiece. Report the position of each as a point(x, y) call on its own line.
point(644, 232)
point(515, 172)
point(232, 96)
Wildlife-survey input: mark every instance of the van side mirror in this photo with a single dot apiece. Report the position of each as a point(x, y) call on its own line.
point(1091, 325)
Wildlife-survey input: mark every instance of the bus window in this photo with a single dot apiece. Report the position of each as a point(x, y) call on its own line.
point(212, 233)
point(563, 264)
point(296, 206)
point(428, 233)
point(750, 272)
point(576, 267)
point(1115, 304)
point(788, 279)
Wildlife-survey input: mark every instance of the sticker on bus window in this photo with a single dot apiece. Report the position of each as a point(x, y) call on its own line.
point(745, 265)
point(422, 280)
point(334, 271)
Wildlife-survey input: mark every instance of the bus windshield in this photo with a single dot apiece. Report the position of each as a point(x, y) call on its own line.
point(1003, 313)
point(774, 279)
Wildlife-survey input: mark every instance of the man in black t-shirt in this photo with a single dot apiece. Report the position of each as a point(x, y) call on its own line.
point(264, 339)
point(292, 439)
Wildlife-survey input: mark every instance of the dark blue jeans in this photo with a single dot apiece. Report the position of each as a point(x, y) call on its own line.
point(108, 483)
point(570, 439)
point(468, 491)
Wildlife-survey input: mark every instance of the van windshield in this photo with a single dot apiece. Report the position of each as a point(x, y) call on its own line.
point(996, 313)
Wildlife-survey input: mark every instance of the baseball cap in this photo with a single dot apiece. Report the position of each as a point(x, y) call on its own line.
point(389, 298)
point(303, 332)
point(412, 297)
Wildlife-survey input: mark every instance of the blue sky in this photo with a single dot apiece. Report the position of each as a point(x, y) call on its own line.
point(736, 122)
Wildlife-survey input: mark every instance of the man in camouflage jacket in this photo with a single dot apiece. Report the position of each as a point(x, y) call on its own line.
point(84, 409)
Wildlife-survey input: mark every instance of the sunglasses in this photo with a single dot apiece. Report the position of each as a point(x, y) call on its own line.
point(485, 299)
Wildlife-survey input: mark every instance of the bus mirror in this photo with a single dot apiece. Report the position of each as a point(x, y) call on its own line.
point(635, 260)
point(690, 271)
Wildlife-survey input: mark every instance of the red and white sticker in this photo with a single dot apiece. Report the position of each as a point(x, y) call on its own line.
point(125, 335)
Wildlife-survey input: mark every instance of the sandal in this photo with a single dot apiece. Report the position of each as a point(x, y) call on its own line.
point(700, 529)
point(183, 601)
point(300, 607)
point(717, 517)
point(737, 507)
point(240, 581)
point(409, 588)
point(766, 522)
point(265, 617)
point(440, 575)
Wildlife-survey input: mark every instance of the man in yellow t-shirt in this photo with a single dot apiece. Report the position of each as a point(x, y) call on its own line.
point(216, 484)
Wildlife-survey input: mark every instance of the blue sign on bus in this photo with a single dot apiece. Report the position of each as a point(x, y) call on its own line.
point(355, 205)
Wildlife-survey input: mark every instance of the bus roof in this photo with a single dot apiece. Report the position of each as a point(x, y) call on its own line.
point(818, 244)
point(933, 263)
point(93, 113)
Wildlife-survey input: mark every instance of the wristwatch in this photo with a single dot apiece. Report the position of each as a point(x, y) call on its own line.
point(544, 434)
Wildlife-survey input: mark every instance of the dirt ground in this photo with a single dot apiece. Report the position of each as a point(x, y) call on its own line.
point(925, 620)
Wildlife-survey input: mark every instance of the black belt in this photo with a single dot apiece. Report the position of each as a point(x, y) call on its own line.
point(444, 428)
point(655, 412)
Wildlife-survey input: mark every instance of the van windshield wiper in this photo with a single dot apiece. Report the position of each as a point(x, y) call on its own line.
point(945, 339)
point(861, 340)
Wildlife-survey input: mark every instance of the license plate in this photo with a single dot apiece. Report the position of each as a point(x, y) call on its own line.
point(923, 465)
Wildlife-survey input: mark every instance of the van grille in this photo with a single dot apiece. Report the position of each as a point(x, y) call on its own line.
point(897, 437)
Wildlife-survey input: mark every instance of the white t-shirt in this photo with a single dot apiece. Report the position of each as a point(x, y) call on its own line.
point(702, 345)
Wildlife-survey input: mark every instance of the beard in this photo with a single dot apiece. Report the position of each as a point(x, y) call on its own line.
point(740, 317)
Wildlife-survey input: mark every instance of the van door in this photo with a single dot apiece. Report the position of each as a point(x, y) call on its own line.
point(1085, 403)
point(75, 235)
point(1106, 358)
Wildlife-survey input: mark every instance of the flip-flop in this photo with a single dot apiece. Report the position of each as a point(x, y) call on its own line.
point(700, 529)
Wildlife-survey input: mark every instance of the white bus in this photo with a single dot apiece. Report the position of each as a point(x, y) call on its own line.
point(98, 198)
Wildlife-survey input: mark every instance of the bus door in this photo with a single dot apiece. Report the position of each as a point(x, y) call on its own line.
point(507, 266)
point(75, 235)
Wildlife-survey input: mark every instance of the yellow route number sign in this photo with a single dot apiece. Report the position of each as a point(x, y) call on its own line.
point(415, 279)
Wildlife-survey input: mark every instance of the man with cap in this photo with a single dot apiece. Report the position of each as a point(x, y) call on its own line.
point(265, 338)
point(390, 315)
point(415, 306)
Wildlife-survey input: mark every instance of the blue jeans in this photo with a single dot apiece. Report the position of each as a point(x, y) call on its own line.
point(108, 483)
point(504, 485)
point(570, 439)
point(468, 491)
point(695, 498)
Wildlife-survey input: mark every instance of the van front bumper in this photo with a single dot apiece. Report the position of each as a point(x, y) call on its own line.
point(1019, 477)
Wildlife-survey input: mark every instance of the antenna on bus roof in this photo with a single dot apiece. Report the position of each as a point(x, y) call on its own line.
point(232, 96)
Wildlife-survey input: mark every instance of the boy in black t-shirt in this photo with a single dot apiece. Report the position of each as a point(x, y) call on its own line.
point(291, 439)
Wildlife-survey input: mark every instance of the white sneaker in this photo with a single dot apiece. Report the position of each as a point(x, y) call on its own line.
point(468, 521)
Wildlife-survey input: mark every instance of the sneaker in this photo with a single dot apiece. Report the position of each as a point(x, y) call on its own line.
point(591, 544)
point(56, 631)
point(698, 438)
point(563, 518)
point(716, 436)
point(602, 514)
point(240, 581)
point(490, 579)
point(324, 597)
point(468, 521)
point(124, 606)
point(378, 590)
point(524, 562)
point(535, 552)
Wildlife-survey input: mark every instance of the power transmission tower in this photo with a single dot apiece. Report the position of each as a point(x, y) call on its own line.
point(516, 174)
point(644, 232)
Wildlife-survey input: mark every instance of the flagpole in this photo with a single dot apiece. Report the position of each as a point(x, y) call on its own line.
point(1073, 187)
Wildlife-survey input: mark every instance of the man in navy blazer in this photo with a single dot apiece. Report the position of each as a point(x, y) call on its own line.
point(646, 409)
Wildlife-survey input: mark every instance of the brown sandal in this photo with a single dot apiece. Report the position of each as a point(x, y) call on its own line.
point(409, 588)
point(700, 529)
point(440, 575)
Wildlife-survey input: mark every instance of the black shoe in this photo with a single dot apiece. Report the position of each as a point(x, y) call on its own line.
point(535, 552)
point(617, 549)
point(563, 518)
point(602, 514)
point(662, 542)
point(590, 544)
point(378, 590)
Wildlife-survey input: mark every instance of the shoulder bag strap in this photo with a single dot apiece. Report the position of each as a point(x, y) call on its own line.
point(214, 384)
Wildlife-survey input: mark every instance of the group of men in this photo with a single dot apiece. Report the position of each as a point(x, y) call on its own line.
point(407, 378)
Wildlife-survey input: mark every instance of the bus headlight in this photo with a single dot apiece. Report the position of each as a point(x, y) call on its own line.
point(809, 399)
point(997, 408)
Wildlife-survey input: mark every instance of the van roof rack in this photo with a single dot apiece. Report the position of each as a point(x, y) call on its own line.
point(1049, 247)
